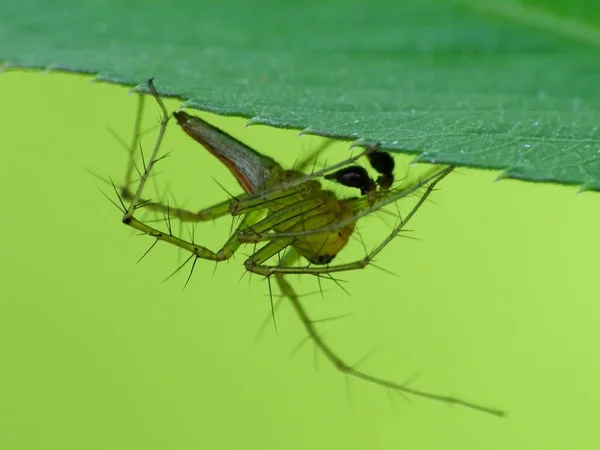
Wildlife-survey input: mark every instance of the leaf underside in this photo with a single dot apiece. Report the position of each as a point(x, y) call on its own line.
point(492, 83)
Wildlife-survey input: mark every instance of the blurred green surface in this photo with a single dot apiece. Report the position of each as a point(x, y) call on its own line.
point(496, 303)
point(494, 83)
point(581, 11)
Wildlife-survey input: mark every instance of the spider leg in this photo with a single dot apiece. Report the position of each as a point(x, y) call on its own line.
point(137, 202)
point(265, 253)
point(137, 129)
point(183, 215)
point(284, 218)
point(197, 250)
point(352, 370)
point(164, 121)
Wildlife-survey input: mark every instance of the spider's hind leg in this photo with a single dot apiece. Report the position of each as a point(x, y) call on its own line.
point(286, 267)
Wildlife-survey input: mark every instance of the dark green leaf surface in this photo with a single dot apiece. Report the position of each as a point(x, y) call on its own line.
point(492, 84)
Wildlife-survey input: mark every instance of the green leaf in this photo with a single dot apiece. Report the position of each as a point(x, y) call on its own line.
point(491, 84)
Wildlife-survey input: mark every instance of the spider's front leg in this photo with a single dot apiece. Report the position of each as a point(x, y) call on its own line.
point(199, 251)
point(137, 202)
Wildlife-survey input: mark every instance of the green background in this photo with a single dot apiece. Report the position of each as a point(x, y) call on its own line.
point(496, 303)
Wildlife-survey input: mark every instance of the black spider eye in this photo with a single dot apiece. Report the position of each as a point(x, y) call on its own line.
point(382, 162)
point(353, 176)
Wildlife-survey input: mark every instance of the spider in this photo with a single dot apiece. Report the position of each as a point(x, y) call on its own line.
point(288, 210)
